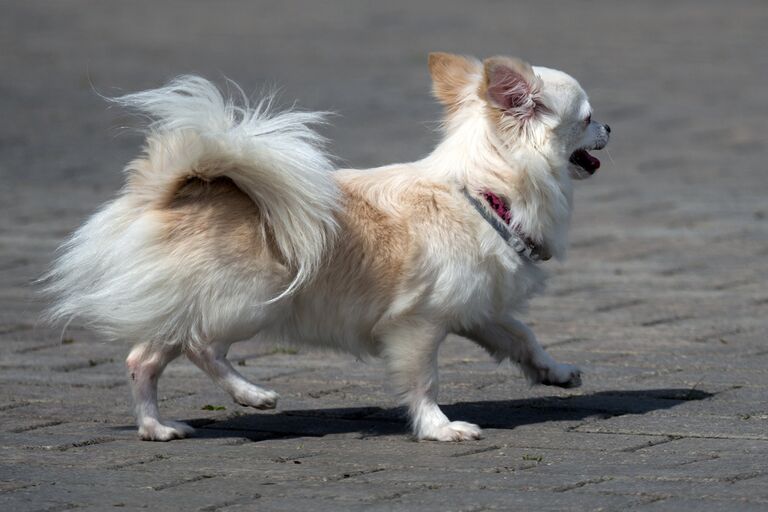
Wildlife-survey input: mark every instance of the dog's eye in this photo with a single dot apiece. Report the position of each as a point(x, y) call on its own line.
point(588, 120)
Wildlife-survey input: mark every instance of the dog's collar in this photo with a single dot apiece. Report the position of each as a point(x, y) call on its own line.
point(502, 223)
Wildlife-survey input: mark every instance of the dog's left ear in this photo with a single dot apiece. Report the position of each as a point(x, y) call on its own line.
point(511, 85)
point(451, 74)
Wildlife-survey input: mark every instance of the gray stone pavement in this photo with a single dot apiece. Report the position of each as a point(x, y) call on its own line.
point(663, 301)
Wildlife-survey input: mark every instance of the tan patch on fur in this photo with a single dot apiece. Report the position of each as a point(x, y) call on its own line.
point(374, 245)
point(217, 218)
point(451, 75)
point(216, 221)
point(424, 201)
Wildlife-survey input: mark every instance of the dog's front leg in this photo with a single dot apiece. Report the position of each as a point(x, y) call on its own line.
point(410, 350)
point(512, 339)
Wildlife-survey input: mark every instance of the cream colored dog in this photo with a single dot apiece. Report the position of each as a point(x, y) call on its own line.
point(233, 224)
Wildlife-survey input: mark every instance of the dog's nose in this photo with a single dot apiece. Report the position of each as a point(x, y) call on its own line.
point(607, 128)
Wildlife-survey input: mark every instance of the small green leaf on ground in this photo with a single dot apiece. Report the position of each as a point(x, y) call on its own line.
point(210, 407)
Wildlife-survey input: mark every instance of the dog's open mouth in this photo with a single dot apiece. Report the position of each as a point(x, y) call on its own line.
point(583, 159)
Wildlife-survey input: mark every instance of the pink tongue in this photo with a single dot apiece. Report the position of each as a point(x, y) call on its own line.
point(585, 160)
point(594, 162)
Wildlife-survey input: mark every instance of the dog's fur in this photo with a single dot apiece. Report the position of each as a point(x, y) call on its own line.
point(232, 224)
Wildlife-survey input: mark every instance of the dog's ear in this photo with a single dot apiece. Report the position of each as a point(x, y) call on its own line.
point(450, 76)
point(510, 85)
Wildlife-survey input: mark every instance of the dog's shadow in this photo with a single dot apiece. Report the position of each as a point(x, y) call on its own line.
point(499, 414)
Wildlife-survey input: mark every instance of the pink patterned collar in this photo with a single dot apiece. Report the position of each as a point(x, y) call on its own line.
point(510, 231)
point(499, 206)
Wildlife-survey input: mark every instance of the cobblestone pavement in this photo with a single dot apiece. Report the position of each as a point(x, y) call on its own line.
point(663, 301)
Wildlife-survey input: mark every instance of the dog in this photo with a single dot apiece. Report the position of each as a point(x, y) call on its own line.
point(233, 223)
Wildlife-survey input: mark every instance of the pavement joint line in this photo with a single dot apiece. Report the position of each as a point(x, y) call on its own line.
point(16, 405)
point(646, 499)
point(695, 461)
point(666, 320)
point(36, 348)
point(183, 481)
point(512, 469)
point(682, 269)
point(353, 474)
point(476, 451)
point(272, 433)
point(649, 444)
point(176, 396)
point(82, 365)
point(69, 446)
point(395, 495)
point(284, 460)
point(583, 483)
point(18, 487)
point(619, 305)
point(16, 328)
point(576, 289)
point(566, 341)
point(61, 507)
point(286, 374)
point(743, 476)
point(718, 335)
point(729, 285)
point(667, 496)
point(695, 479)
point(73, 385)
point(140, 462)
point(325, 392)
point(243, 500)
point(681, 435)
point(36, 426)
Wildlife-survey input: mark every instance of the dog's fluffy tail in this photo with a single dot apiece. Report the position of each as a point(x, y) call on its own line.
point(195, 132)
point(275, 158)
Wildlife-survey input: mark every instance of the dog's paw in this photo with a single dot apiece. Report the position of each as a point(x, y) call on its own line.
point(154, 430)
point(257, 398)
point(453, 431)
point(561, 375)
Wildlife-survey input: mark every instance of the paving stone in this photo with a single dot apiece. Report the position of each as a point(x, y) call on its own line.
point(663, 300)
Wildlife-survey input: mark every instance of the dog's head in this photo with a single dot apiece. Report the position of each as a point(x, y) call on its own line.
point(532, 107)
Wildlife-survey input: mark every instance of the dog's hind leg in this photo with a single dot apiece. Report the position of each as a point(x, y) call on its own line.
point(146, 363)
point(212, 359)
point(513, 340)
point(410, 350)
